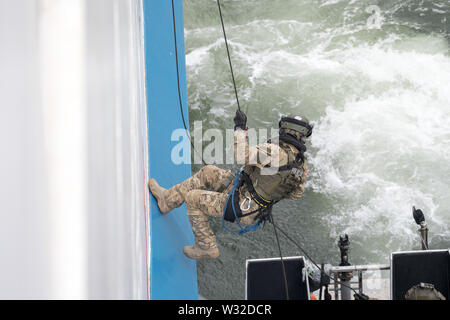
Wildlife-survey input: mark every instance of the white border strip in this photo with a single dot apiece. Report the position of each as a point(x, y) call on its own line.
point(62, 54)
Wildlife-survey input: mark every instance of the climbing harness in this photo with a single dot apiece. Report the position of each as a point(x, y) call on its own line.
point(249, 204)
point(233, 211)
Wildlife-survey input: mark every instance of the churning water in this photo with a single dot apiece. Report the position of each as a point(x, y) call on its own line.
point(374, 77)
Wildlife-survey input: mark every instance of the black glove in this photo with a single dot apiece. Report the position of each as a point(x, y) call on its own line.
point(240, 120)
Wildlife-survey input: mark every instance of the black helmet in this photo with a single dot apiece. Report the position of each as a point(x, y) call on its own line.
point(298, 124)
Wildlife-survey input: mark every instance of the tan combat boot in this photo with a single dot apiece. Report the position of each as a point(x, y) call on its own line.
point(169, 199)
point(205, 242)
point(161, 196)
point(196, 252)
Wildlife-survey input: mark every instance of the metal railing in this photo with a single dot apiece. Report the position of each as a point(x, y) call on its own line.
point(359, 269)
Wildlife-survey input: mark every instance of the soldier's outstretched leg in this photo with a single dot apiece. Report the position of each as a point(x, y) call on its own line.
point(208, 178)
point(205, 246)
point(202, 204)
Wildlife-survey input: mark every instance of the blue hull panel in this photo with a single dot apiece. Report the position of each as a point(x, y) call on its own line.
point(172, 275)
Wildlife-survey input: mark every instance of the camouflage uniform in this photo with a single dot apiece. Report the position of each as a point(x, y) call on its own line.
point(206, 193)
point(203, 199)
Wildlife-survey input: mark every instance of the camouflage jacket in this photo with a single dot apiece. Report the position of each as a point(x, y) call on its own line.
point(266, 155)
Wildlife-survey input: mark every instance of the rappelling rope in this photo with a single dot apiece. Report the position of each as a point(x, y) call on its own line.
point(229, 55)
point(232, 192)
point(180, 99)
point(242, 230)
point(281, 257)
point(310, 259)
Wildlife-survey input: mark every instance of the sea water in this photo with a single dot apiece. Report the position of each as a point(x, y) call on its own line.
point(374, 79)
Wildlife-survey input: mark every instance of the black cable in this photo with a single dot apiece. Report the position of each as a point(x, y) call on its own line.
point(281, 258)
point(239, 108)
point(229, 55)
point(178, 81)
point(293, 241)
point(307, 255)
point(321, 281)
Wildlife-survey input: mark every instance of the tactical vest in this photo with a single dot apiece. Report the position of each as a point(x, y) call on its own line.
point(274, 187)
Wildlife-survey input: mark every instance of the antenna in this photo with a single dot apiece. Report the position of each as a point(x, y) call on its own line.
point(419, 217)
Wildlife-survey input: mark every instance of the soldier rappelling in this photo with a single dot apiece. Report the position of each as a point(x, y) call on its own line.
point(248, 201)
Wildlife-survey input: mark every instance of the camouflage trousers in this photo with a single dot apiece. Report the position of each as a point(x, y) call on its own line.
point(205, 195)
